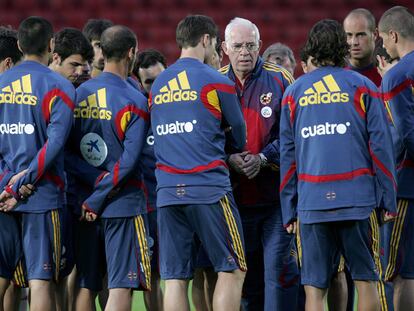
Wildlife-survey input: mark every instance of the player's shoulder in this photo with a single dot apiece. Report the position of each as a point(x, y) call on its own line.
point(216, 76)
point(278, 71)
point(224, 70)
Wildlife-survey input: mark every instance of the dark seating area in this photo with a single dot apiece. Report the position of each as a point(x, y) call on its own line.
point(154, 21)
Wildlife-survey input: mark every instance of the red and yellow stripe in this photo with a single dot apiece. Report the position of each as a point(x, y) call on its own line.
point(143, 249)
point(395, 238)
point(57, 241)
point(375, 237)
point(234, 233)
point(19, 277)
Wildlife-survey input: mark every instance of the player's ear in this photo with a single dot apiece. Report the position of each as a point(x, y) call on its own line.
point(206, 40)
point(56, 59)
point(394, 36)
point(131, 53)
point(18, 45)
point(51, 46)
point(8, 63)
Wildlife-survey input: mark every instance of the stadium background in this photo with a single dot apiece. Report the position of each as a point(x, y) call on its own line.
point(154, 21)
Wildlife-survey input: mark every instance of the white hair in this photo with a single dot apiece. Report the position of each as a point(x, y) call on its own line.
point(237, 21)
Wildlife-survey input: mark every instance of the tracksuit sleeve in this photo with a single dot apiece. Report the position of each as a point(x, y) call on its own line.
point(133, 142)
point(57, 108)
point(272, 150)
point(402, 110)
point(232, 113)
point(289, 180)
point(381, 150)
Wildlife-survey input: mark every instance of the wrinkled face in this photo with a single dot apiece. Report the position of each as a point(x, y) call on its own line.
point(242, 49)
point(71, 68)
point(389, 44)
point(359, 37)
point(148, 75)
point(283, 61)
point(98, 59)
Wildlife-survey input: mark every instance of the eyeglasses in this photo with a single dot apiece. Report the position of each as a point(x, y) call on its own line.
point(251, 47)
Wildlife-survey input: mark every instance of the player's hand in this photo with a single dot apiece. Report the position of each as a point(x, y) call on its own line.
point(26, 190)
point(7, 202)
point(292, 227)
point(16, 177)
point(88, 215)
point(383, 65)
point(251, 165)
point(236, 161)
point(387, 217)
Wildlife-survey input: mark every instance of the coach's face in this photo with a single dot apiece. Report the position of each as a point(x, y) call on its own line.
point(242, 49)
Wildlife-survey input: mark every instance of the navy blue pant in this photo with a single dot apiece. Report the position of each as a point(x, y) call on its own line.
point(272, 277)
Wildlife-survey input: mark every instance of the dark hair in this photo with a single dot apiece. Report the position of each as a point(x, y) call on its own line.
point(148, 58)
point(327, 44)
point(219, 50)
point(116, 42)
point(70, 41)
point(8, 45)
point(94, 28)
point(367, 15)
point(34, 35)
point(192, 28)
point(303, 55)
point(381, 51)
point(399, 19)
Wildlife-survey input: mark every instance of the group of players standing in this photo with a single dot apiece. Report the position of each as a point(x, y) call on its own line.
point(178, 176)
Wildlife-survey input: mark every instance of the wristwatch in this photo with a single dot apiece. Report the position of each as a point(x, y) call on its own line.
point(263, 159)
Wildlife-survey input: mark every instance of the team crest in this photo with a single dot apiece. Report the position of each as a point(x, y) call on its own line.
point(266, 98)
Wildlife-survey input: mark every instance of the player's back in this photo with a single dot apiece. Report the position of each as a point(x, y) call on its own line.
point(186, 118)
point(102, 116)
point(28, 104)
point(330, 111)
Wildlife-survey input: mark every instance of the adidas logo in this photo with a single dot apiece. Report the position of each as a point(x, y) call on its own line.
point(325, 91)
point(176, 91)
point(94, 107)
point(19, 92)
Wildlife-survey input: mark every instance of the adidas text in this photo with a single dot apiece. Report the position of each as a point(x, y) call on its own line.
point(17, 98)
point(324, 98)
point(92, 113)
point(175, 96)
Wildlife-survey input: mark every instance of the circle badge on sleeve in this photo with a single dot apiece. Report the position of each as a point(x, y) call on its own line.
point(93, 149)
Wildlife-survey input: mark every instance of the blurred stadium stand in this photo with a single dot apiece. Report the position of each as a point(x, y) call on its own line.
point(154, 21)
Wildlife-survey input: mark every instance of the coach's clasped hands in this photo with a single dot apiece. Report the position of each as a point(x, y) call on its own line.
point(246, 163)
